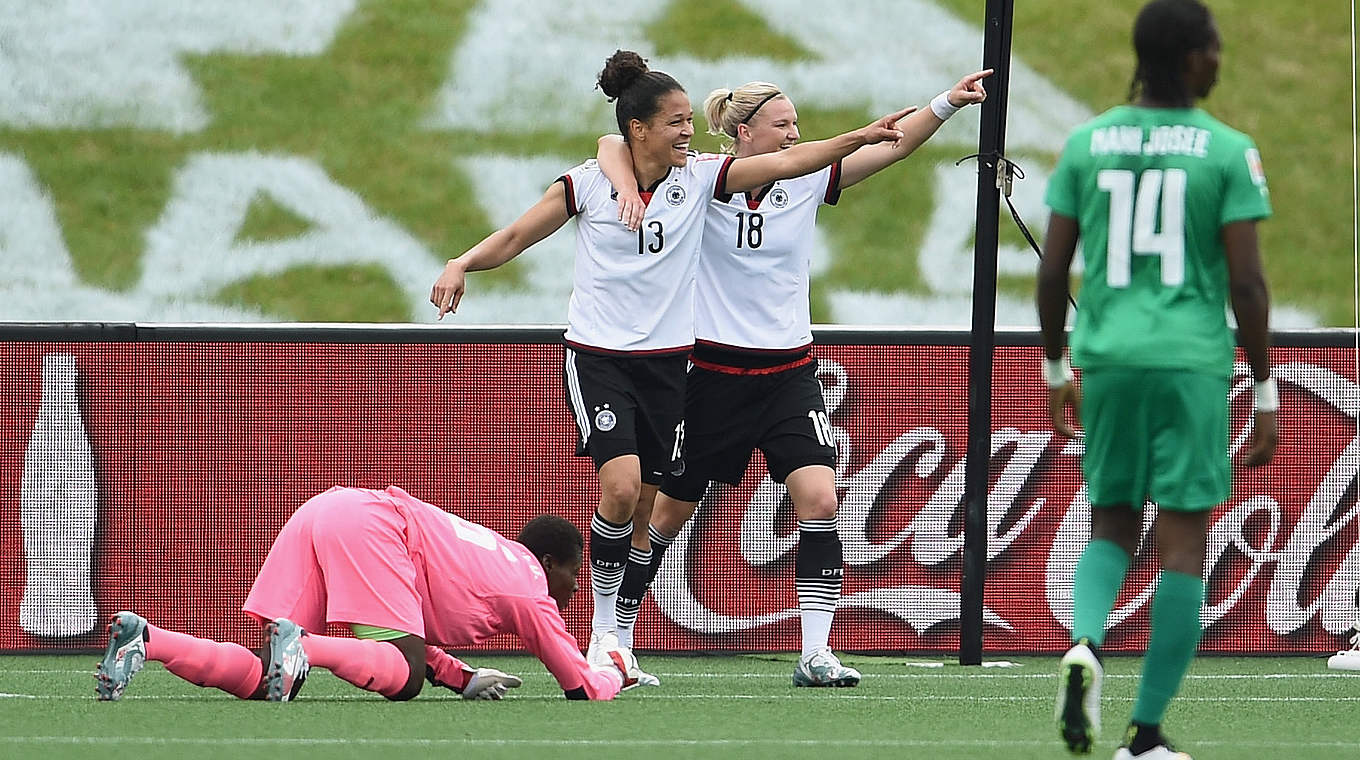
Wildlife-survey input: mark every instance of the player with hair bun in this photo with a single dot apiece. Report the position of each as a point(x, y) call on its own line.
point(1165, 199)
point(630, 320)
point(753, 381)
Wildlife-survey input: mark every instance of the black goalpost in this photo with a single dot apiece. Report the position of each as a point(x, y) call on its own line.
point(996, 54)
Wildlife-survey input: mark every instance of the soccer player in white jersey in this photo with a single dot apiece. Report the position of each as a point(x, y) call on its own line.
point(753, 383)
point(630, 319)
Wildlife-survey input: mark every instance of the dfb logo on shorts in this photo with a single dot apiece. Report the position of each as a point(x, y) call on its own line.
point(675, 195)
point(779, 197)
point(605, 420)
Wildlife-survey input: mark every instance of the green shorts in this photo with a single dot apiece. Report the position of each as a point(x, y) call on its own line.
point(1156, 435)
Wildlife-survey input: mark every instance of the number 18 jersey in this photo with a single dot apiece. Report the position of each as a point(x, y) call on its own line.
point(1151, 190)
point(752, 285)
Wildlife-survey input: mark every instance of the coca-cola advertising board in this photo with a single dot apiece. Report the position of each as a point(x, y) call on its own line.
point(149, 469)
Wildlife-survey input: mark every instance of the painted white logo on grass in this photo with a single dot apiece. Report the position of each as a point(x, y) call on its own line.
point(38, 280)
point(192, 252)
point(543, 65)
point(211, 196)
point(74, 63)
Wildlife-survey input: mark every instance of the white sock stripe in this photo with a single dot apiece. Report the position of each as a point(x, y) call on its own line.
point(659, 538)
point(817, 590)
point(576, 401)
point(640, 556)
point(817, 526)
point(604, 529)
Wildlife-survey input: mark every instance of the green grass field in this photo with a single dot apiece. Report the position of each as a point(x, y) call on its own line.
point(727, 706)
point(360, 110)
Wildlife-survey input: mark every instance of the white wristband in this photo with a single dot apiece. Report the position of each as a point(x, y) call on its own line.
point(1267, 395)
point(941, 106)
point(1058, 372)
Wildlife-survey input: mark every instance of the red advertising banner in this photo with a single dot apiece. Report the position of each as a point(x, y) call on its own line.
point(153, 476)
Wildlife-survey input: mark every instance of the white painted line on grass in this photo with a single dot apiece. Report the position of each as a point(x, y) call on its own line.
point(655, 694)
point(978, 674)
point(631, 742)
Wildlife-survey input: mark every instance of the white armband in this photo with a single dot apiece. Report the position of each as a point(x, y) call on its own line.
point(941, 106)
point(1267, 395)
point(1058, 372)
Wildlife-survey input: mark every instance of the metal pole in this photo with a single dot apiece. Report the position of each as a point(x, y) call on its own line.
point(996, 54)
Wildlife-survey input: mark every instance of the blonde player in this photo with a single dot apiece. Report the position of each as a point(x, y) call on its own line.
point(406, 577)
point(630, 319)
point(753, 383)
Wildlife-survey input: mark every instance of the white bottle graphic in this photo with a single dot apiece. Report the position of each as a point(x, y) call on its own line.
point(58, 507)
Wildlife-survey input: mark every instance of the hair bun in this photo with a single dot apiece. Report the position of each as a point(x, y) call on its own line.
point(621, 70)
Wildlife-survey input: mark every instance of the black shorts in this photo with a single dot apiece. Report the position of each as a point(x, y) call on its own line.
point(626, 405)
point(728, 416)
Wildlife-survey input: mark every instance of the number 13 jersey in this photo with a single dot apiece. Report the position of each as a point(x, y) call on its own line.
point(752, 284)
point(633, 292)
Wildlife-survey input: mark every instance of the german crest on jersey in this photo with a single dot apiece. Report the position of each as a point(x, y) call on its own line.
point(779, 198)
point(605, 419)
point(675, 195)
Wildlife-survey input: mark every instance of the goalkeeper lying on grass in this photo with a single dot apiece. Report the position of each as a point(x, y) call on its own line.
point(403, 575)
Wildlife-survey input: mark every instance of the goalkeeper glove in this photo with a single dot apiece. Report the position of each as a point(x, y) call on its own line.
point(482, 683)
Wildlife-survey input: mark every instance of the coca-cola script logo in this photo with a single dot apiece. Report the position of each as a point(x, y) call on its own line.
point(1284, 546)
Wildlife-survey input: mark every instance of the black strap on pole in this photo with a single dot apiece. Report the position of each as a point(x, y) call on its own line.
point(996, 54)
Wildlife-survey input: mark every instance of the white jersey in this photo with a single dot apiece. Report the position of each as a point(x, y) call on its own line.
point(752, 289)
point(634, 291)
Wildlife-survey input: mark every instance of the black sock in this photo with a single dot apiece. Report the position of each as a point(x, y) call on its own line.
point(817, 570)
point(1143, 737)
point(609, 544)
point(660, 543)
point(633, 588)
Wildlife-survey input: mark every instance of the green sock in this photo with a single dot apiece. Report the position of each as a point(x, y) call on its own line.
point(1100, 573)
point(1175, 637)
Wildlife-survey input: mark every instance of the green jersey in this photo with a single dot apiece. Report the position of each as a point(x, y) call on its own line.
point(1151, 189)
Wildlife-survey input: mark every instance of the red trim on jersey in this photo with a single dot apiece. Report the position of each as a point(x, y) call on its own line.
point(646, 196)
point(674, 351)
point(753, 201)
point(720, 186)
point(571, 194)
point(726, 370)
point(746, 350)
point(833, 188)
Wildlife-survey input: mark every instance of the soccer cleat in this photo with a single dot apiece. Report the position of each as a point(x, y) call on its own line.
point(597, 654)
point(1349, 659)
point(821, 668)
point(639, 677)
point(489, 683)
point(288, 666)
point(1158, 752)
point(1078, 708)
point(125, 655)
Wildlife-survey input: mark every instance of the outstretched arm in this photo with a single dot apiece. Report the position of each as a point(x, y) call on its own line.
point(916, 129)
point(539, 625)
point(1251, 306)
point(541, 220)
point(1051, 297)
point(751, 172)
